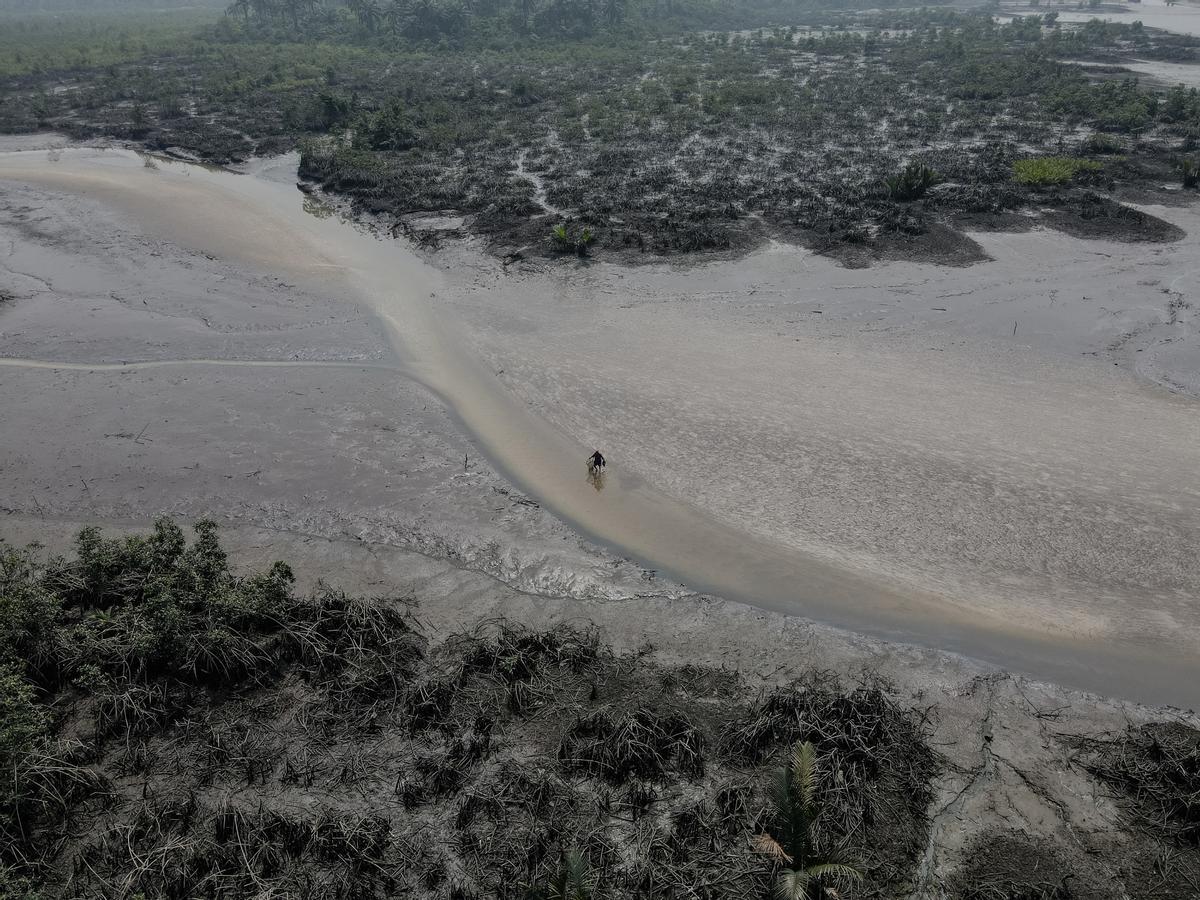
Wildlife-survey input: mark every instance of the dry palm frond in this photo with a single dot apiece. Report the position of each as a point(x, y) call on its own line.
point(771, 848)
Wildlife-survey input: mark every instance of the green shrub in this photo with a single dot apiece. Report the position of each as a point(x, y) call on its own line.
point(37, 774)
point(564, 242)
point(1045, 170)
point(29, 617)
point(391, 128)
point(1100, 143)
point(912, 183)
point(24, 730)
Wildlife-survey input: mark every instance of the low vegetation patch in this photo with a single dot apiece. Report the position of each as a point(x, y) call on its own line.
point(174, 729)
point(567, 129)
point(912, 183)
point(1014, 866)
point(1087, 214)
point(1050, 170)
point(1156, 770)
point(1189, 174)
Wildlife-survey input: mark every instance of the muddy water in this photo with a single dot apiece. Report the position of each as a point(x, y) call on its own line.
point(260, 221)
point(1182, 18)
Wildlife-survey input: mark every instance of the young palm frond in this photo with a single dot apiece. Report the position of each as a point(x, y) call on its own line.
point(806, 871)
point(793, 884)
point(573, 881)
point(804, 774)
point(575, 877)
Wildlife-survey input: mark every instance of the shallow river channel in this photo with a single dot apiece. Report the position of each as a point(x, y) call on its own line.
point(261, 222)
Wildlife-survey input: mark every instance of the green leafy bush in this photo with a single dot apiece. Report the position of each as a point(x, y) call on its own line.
point(1100, 143)
point(563, 241)
point(391, 128)
point(1047, 170)
point(24, 729)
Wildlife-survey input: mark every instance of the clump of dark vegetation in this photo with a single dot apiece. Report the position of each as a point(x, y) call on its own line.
point(910, 184)
point(1091, 215)
point(1189, 173)
point(794, 838)
point(561, 128)
point(1014, 866)
point(132, 635)
point(173, 729)
point(565, 242)
point(1156, 769)
point(620, 746)
point(862, 793)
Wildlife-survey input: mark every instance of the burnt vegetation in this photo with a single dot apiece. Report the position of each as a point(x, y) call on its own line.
point(563, 128)
point(1152, 772)
point(1010, 865)
point(1155, 770)
point(172, 729)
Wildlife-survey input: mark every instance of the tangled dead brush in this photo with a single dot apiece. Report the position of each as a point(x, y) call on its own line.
point(182, 731)
point(878, 762)
point(638, 745)
point(1010, 865)
point(1156, 767)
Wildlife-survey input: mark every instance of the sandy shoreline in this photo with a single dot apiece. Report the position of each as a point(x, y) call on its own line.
point(991, 481)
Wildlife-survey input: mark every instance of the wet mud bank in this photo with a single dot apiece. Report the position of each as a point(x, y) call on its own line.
point(330, 450)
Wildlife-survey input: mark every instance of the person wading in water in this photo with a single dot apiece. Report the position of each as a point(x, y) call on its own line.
point(596, 462)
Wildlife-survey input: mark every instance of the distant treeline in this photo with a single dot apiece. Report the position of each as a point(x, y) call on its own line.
point(18, 7)
point(433, 19)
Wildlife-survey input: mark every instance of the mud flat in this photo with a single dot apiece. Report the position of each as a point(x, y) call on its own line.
point(175, 340)
point(1019, 436)
point(146, 378)
point(860, 448)
point(1167, 74)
